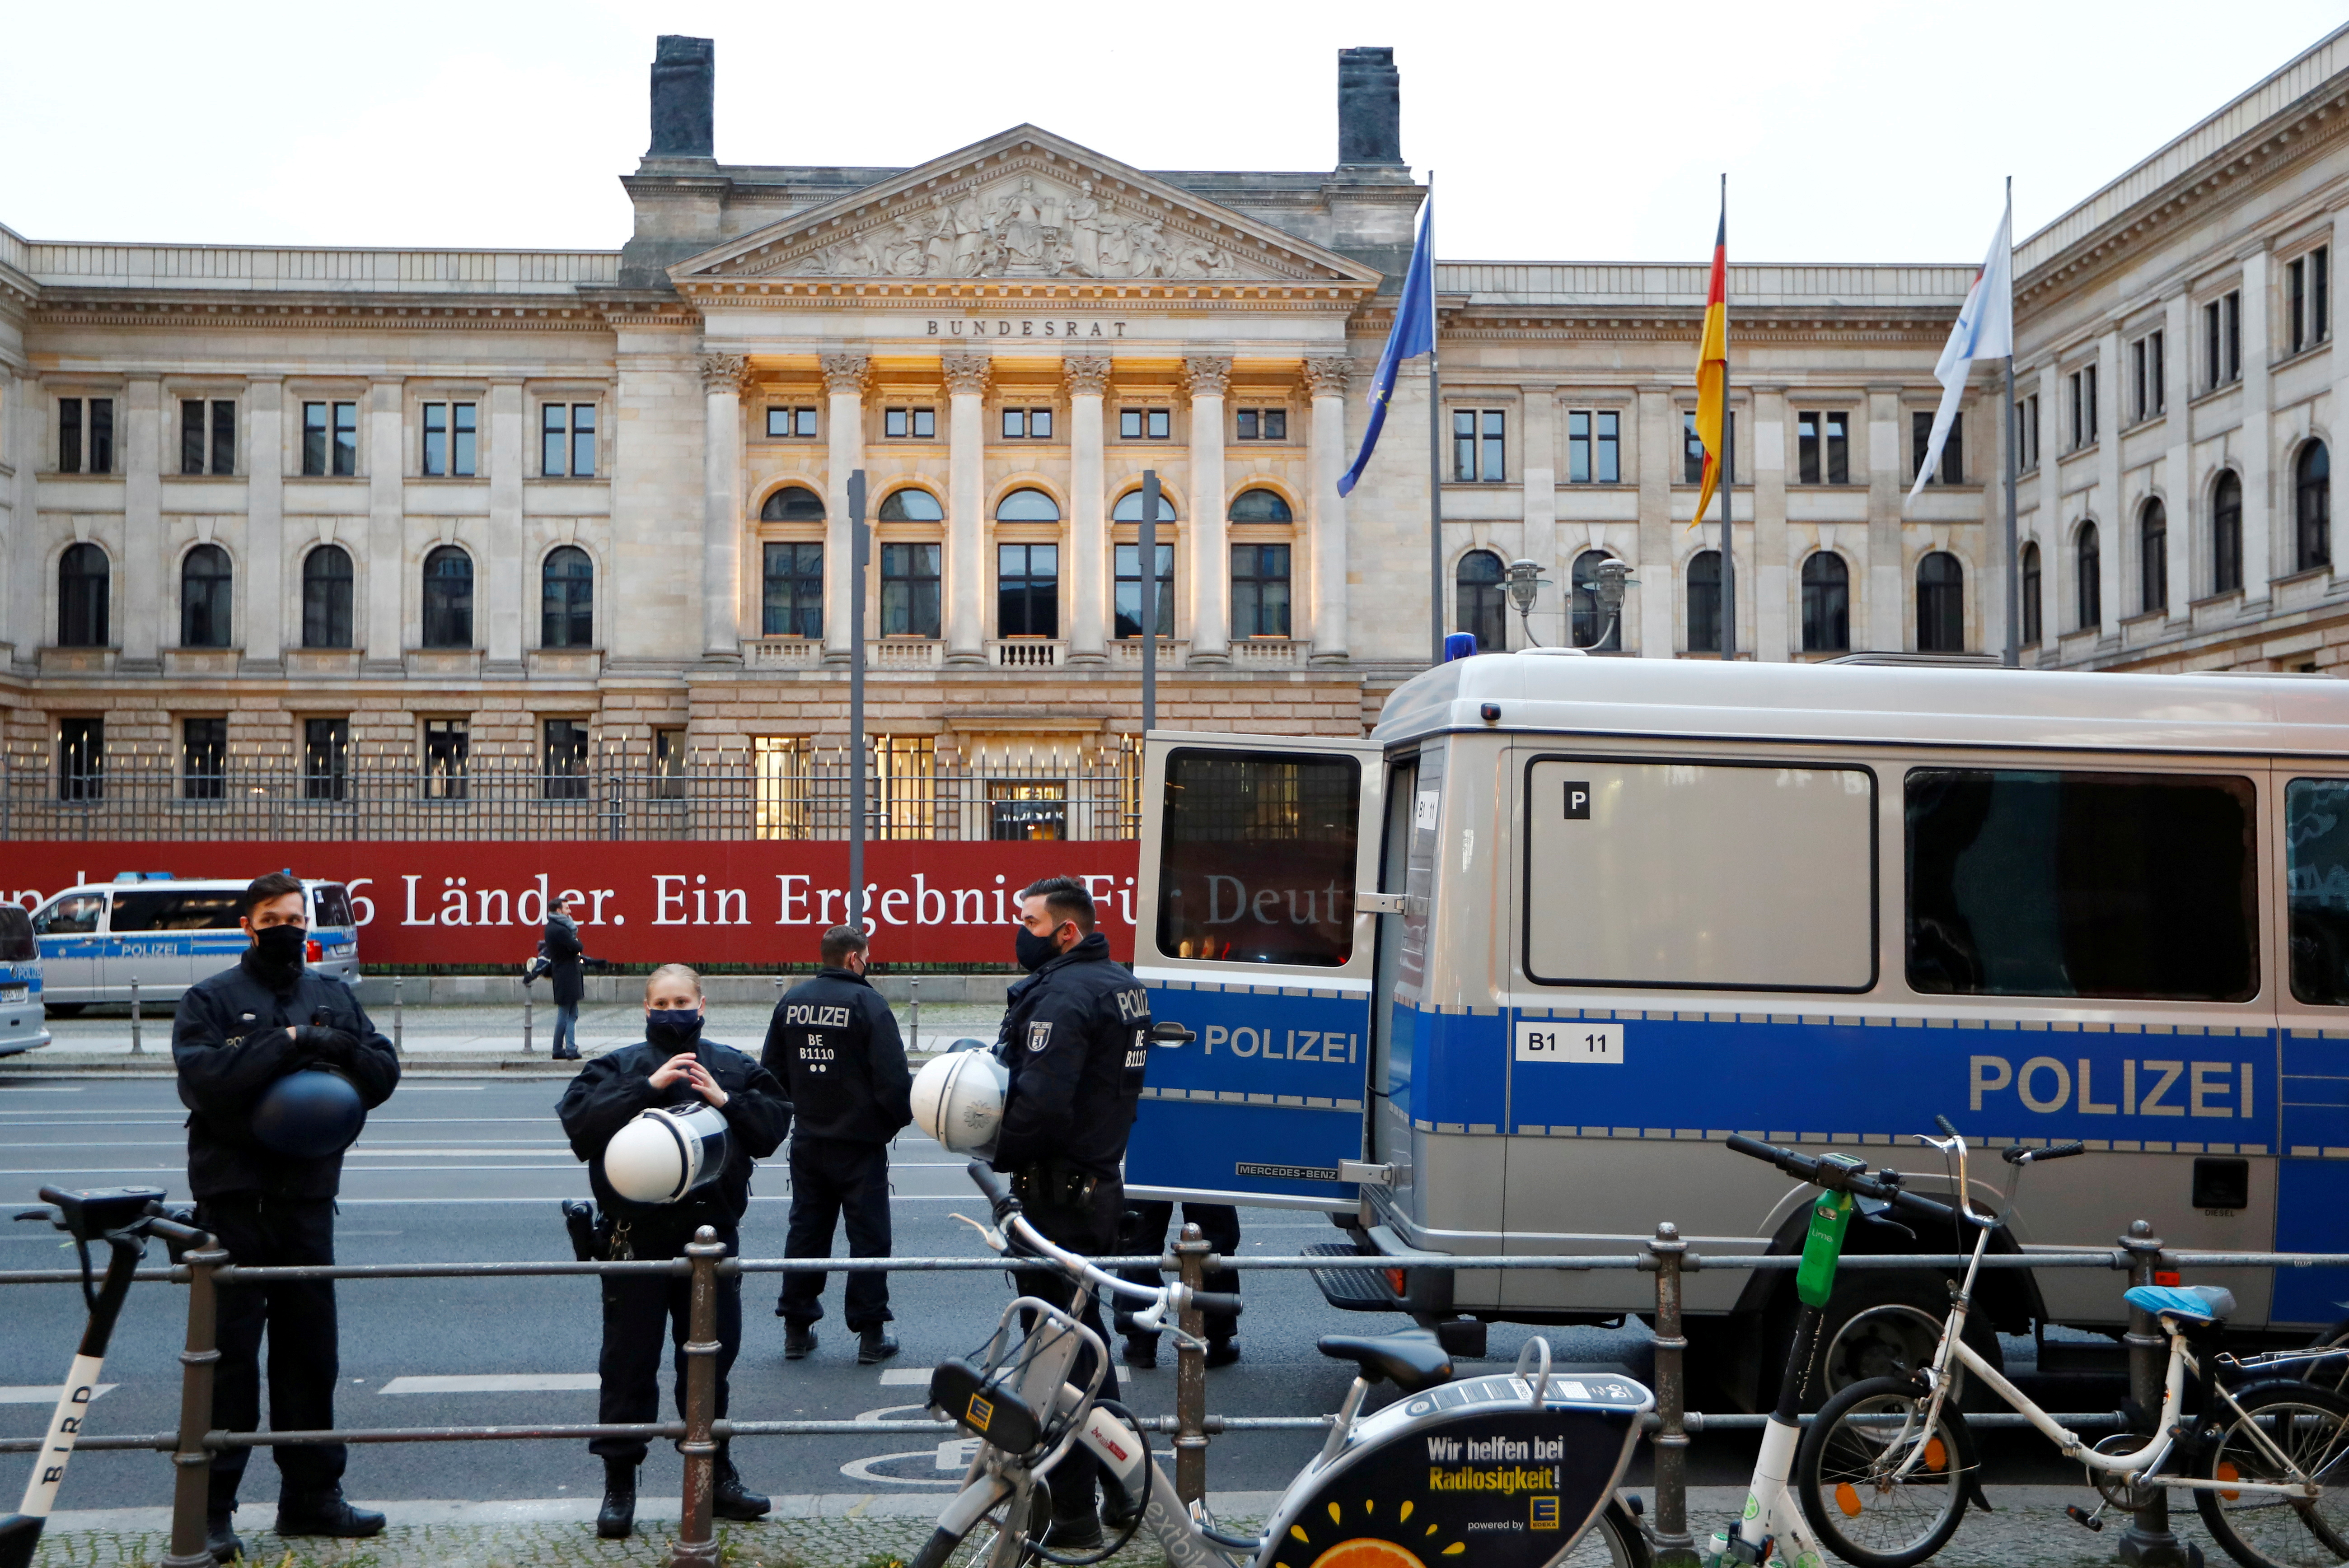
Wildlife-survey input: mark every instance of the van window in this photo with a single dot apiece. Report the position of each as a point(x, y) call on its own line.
point(1750, 877)
point(17, 944)
point(176, 911)
point(72, 916)
point(1257, 864)
point(2316, 872)
point(2128, 885)
point(330, 905)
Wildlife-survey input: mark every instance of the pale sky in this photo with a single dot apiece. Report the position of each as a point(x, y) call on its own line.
point(1850, 133)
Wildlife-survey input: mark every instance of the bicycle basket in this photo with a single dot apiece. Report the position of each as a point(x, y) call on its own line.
point(986, 1407)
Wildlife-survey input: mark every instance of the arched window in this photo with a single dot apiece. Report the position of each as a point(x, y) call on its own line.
point(1028, 506)
point(1128, 507)
point(567, 599)
point(2153, 557)
point(1705, 602)
point(911, 504)
point(792, 503)
point(1826, 604)
point(2031, 590)
point(2227, 533)
point(1590, 618)
point(82, 573)
point(2090, 563)
point(447, 598)
point(1253, 506)
point(2312, 510)
point(1940, 604)
point(1483, 604)
point(205, 588)
point(327, 597)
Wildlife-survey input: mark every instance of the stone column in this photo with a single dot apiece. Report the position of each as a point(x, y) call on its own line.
point(1650, 613)
point(1537, 505)
point(2337, 421)
point(2119, 584)
point(510, 574)
point(1210, 567)
point(1325, 509)
point(845, 377)
point(1088, 575)
point(724, 376)
point(1773, 636)
point(389, 569)
point(2057, 596)
point(137, 609)
point(2267, 544)
point(966, 574)
point(2190, 523)
point(1888, 566)
point(261, 595)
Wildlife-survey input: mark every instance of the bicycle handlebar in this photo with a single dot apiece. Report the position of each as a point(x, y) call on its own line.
point(994, 1188)
point(1807, 1168)
point(2040, 1156)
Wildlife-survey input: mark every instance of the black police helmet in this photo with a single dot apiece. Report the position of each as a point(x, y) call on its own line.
point(309, 1115)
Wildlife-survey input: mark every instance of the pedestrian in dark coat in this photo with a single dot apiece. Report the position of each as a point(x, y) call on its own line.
point(565, 961)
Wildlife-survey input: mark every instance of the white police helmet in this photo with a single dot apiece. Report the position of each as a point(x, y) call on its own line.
point(958, 1100)
point(665, 1154)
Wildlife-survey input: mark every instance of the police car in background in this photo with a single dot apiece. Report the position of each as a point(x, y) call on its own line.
point(167, 932)
point(23, 1027)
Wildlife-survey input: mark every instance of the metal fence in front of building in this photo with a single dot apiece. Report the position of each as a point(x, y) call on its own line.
point(780, 794)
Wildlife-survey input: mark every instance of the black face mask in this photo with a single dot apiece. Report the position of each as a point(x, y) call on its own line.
point(673, 1028)
point(1034, 951)
point(278, 948)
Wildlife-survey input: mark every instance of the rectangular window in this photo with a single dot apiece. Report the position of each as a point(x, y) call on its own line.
point(1144, 424)
point(2157, 370)
point(669, 764)
point(326, 759)
point(447, 749)
point(1594, 446)
point(785, 786)
point(191, 435)
point(566, 440)
point(1953, 468)
point(1027, 423)
point(2319, 293)
point(1692, 449)
point(203, 759)
point(1823, 447)
point(564, 754)
point(2126, 885)
point(910, 423)
point(1027, 590)
point(1027, 808)
point(1627, 883)
point(2082, 386)
point(1257, 857)
point(451, 440)
point(224, 435)
point(2137, 406)
point(909, 590)
point(1262, 424)
point(207, 435)
point(793, 598)
point(2317, 878)
point(314, 439)
point(175, 911)
point(68, 435)
point(1129, 592)
point(2026, 433)
point(85, 448)
point(1479, 454)
point(791, 423)
point(1259, 590)
point(2295, 290)
point(2223, 329)
point(81, 758)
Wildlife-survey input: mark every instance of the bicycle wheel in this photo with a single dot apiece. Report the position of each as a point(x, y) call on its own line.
point(1616, 1541)
point(976, 1546)
point(1845, 1474)
point(2309, 1426)
point(2335, 1374)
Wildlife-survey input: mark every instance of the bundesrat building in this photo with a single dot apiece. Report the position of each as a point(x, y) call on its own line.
point(432, 504)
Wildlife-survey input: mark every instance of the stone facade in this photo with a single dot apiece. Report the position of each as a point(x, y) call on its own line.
point(1003, 340)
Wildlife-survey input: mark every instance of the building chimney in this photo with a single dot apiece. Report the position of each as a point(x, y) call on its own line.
point(685, 74)
point(1370, 106)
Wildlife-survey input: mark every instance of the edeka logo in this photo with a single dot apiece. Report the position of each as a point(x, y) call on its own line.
point(2084, 1086)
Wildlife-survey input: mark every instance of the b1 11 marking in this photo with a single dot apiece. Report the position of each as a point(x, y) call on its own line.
point(1570, 1040)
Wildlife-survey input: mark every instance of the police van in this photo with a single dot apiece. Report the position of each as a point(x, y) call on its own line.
point(22, 1025)
point(167, 932)
point(1503, 976)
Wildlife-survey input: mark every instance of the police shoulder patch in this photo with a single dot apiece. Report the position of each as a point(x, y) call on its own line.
point(1038, 1036)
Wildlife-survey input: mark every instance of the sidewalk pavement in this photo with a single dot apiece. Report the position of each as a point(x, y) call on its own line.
point(2029, 1529)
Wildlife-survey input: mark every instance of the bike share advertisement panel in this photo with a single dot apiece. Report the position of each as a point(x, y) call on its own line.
point(1467, 1472)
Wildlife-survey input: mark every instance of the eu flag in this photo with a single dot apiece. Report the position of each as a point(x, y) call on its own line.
point(1413, 334)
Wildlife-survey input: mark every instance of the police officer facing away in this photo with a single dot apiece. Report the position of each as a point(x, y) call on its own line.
point(237, 1033)
point(834, 1044)
point(1146, 1232)
point(673, 1066)
point(1075, 1041)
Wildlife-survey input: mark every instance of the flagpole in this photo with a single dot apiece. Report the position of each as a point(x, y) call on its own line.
point(2013, 458)
point(1728, 461)
point(1434, 456)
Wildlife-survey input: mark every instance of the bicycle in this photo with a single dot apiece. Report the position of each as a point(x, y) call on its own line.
point(1885, 1470)
point(1518, 1469)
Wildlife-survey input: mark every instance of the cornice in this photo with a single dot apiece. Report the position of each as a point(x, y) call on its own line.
point(284, 316)
point(820, 294)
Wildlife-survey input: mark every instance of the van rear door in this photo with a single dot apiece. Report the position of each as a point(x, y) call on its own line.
point(1248, 932)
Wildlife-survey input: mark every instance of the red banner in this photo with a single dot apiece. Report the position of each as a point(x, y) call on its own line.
point(753, 902)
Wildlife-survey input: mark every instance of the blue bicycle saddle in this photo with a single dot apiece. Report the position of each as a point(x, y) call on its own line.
point(2188, 1302)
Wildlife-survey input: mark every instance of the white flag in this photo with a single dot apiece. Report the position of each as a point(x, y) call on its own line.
point(1985, 330)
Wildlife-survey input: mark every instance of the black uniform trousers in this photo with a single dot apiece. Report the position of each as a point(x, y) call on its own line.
point(634, 1307)
point(1219, 1222)
point(299, 1318)
point(1092, 1230)
point(833, 1178)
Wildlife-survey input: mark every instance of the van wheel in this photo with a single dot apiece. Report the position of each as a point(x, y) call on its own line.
point(64, 1009)
point(1880, 1326)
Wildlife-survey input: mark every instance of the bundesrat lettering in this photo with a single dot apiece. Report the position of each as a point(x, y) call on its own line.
point(2045, 1085)
point(678, 899)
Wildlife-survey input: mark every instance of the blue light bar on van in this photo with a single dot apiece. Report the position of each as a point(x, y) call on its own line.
point(1459, 645)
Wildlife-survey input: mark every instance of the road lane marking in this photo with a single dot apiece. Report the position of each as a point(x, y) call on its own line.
point(39, 1394)
point(496, 1383)
point(905, 1376)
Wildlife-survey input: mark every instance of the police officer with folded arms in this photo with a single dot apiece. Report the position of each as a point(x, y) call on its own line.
point(278, 1065)
point(676, 1071)
point(834, 1044)
point(1075, 1041)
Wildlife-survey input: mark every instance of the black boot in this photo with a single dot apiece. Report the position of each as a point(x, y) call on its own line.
point(1221, 1352)
point(1075, 1532)
point(729, 1498)
point(221, 1538)
point(1141, 1351)
point(799, 1341)
point(618, 1515)
point(325, 1513)
point(877, 1344)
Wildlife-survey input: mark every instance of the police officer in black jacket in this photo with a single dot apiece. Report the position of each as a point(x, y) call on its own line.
point(834, 1044)
point(673, 1066)
point(1075, 1039)
point(237, 1033)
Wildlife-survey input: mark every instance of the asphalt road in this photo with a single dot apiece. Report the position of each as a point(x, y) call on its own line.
point(458, 1169)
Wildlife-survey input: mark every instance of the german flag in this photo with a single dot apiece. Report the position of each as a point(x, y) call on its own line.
point(1712, 367)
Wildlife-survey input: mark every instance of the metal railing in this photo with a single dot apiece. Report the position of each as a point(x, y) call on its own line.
point(206, 1269)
